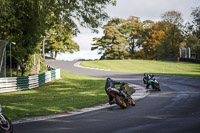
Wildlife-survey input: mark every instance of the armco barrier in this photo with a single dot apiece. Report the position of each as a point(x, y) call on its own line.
point(27, 82)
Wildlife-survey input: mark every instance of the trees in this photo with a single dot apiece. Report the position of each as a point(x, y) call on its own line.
point(125, 35)
point(196, 20)
point(162, 39)
point(192, 39)
point(173, 17)
point(58, 40)
point(171, 42)
point(172, 26)
point(112, 45)
point(132, 30)
point(26, 21)
point(192, 33)
point(147, 39)
point(152, 38)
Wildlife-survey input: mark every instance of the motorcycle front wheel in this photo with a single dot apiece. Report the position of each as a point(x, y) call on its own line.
point(7, 127)
point(157, 87)
point(132, 102)
point(120, 101)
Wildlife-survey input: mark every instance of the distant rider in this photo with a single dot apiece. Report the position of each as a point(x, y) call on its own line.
point(148, 77)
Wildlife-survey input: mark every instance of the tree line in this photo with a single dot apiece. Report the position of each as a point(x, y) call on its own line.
point(51, 24)
point(135, 39)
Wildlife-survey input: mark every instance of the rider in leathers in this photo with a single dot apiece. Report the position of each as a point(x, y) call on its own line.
point(110, 83)
point(148, 77)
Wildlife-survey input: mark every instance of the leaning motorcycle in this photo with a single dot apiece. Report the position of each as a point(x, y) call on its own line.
point(150, 80)
point(5, 124)
point(121, 96)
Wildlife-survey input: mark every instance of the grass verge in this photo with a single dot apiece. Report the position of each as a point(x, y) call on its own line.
point(70, 93)
point(147, 66)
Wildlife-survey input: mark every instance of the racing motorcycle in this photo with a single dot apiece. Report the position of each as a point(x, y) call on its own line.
point(5, 124)
point(150, 80)
point(121, 96)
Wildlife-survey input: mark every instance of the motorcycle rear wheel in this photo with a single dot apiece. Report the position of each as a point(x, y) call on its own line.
point(120, 101)
point(6, 128)
point(155, 86)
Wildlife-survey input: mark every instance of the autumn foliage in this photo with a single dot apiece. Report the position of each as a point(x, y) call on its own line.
point(132, 38)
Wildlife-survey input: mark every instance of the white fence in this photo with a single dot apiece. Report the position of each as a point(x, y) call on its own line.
point(27, 82)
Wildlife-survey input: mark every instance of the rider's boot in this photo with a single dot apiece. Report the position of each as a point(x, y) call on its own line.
point(111, 102)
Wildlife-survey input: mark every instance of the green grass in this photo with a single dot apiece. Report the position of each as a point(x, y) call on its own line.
point(147, 66)
point(70, 93)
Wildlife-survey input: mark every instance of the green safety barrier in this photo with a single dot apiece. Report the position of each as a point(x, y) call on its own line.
point(27, 82)
point(53, 74)
point(22, 82)
point(41, 79)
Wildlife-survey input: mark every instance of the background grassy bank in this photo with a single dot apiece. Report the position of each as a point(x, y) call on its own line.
point(70, 93)
point(147, 66)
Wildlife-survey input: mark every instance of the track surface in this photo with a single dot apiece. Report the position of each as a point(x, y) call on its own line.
point(176, 108)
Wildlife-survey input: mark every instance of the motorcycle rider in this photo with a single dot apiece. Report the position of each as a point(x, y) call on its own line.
point(148, 77)
point(110, 83)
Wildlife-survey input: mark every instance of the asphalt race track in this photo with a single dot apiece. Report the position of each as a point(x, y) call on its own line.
point(175, 109)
